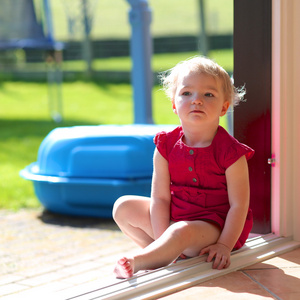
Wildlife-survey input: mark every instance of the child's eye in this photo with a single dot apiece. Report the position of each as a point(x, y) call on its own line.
point(186, 93)
point(209, 95)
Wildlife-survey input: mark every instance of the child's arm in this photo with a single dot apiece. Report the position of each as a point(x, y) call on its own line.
point(238, 192)
point(237, 178)
point(160, 195)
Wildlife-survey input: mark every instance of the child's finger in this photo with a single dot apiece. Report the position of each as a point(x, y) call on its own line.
point(204, 251)
point(217, 262)
point(222, 263)
point(227, 264)
point(211, 256)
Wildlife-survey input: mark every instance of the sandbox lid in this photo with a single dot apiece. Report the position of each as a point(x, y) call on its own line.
point(104, 151)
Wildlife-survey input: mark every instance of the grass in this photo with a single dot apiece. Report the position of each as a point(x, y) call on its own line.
point(24, 114)
point(169, 17)
point(165, 61)
point(160, 62)
point(25, 119)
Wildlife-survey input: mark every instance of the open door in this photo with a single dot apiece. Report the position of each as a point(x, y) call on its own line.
point(252, 119)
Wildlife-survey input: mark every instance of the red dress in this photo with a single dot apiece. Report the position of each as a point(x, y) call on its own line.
point(198, 181)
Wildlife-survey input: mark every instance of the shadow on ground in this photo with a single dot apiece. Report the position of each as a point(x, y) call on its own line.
point(77, 221)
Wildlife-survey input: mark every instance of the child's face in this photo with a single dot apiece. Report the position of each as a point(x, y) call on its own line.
point(199, 98)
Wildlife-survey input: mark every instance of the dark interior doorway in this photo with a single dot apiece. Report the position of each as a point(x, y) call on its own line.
point(252, 119)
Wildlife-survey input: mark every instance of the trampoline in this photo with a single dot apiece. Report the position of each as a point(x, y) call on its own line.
point(24, 25)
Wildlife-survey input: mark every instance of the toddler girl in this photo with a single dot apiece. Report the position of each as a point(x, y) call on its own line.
point(200, 187)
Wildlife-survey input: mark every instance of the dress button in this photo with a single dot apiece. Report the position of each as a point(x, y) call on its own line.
point(194, 179)
point(191, 152)
point(190, 169)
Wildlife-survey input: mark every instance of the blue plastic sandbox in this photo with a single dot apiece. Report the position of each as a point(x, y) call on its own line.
point(82, 170)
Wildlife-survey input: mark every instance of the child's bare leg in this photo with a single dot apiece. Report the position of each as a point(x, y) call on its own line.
point(187, 237)
point(132, 214)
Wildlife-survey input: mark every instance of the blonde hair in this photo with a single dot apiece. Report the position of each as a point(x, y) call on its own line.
point(200, 64)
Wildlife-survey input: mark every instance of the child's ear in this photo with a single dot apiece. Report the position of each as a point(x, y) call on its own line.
point(174, 107)
point(225, 107)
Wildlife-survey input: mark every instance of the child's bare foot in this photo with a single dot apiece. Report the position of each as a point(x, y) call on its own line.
point(124, 268)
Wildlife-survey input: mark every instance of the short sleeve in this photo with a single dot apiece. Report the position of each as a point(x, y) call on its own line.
point(236, 151)
point(160, 140)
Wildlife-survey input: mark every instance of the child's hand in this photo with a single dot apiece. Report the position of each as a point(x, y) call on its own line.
point(219, 253)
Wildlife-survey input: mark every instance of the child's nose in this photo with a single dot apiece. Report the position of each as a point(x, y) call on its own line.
point(197, 99)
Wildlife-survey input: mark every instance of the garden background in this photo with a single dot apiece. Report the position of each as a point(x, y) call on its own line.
point(105, 95)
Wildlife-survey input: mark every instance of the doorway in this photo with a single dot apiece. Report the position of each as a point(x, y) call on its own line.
point(252, 119)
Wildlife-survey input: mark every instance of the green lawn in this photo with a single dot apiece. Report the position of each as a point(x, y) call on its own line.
point(24, 113)
point(25, 119)
point(24, 122)
point(164, 61)
point(169, 17)
point(160, 62)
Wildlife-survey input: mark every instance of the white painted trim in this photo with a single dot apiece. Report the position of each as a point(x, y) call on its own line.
point(296, 121)
point(275, 181)
point(187, 273)
point(285, 118)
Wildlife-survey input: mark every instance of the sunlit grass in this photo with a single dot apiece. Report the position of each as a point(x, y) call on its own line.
point(25, 119)
point(160, 62)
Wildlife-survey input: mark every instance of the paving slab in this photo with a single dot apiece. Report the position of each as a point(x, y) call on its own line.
point(45, 252)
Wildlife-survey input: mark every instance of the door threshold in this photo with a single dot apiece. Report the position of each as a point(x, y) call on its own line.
point(190, 272)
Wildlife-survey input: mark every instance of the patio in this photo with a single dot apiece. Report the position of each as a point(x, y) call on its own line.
point(44, 254)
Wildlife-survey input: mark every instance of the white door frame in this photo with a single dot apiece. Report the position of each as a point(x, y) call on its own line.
point(285, 118)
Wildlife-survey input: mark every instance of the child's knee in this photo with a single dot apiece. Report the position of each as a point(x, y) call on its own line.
point(119, 207)
point(180, 229)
